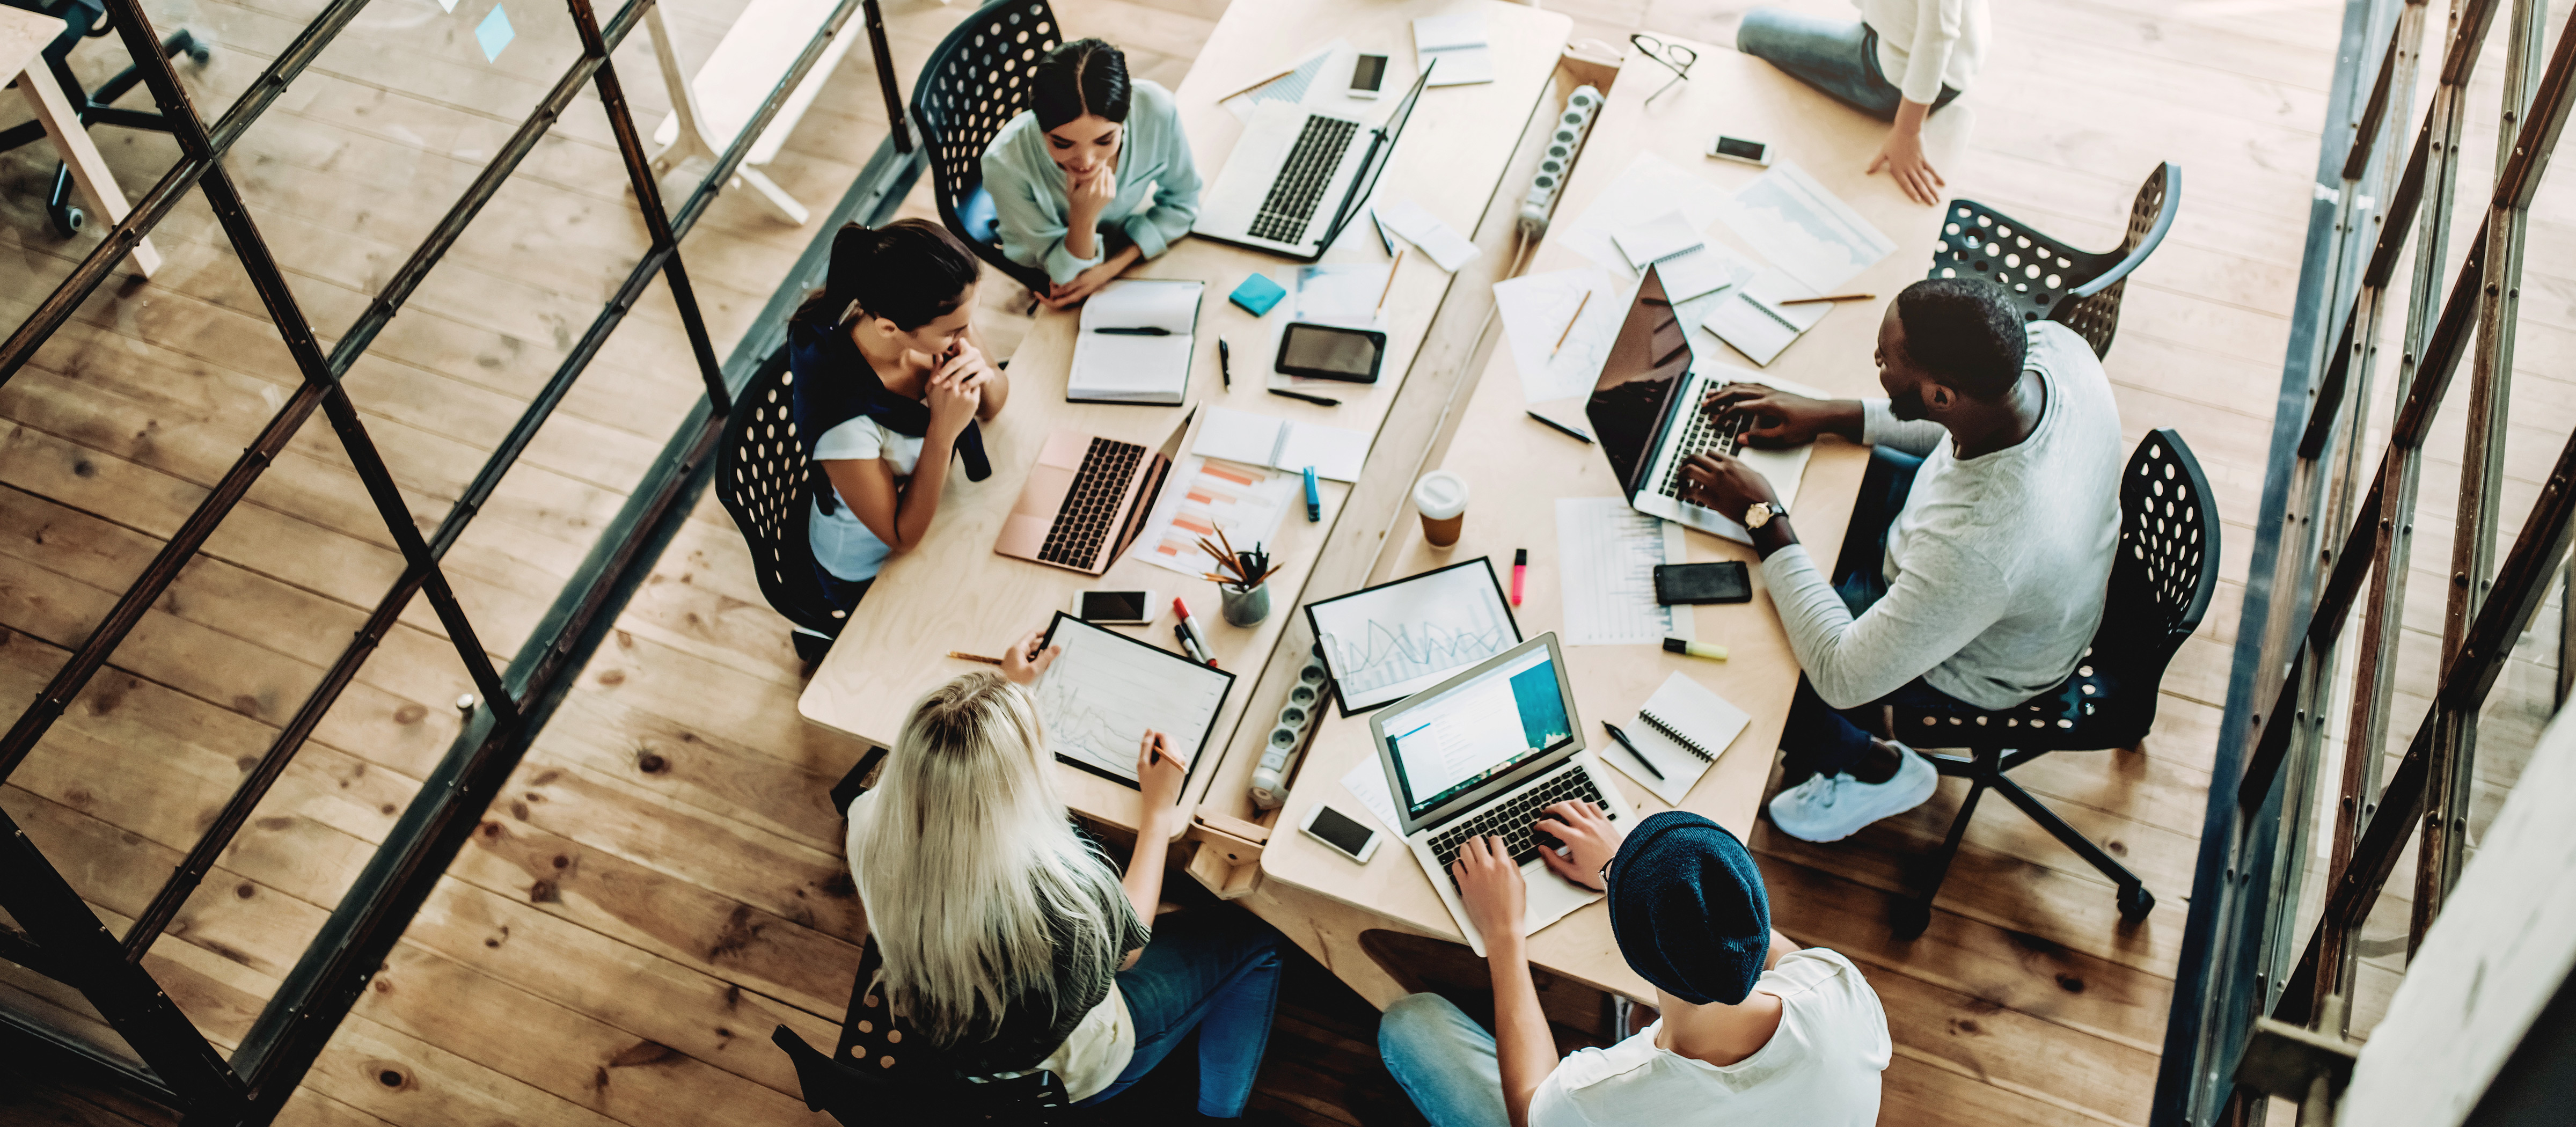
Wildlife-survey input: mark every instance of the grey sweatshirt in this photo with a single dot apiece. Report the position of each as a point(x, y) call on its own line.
point(1997, 565)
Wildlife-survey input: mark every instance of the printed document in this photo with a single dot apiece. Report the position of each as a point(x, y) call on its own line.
point(1790, 219)
point(1606, 552)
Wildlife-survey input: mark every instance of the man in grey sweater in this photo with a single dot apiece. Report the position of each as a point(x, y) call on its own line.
point(1973, 573)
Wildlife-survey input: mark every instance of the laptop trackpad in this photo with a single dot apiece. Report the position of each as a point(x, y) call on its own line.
point(1551, 897)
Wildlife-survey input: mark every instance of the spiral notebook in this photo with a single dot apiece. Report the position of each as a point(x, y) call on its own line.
point(1682, 729)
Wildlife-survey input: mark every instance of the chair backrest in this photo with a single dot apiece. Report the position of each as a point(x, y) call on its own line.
point(2078, 289)
point(766, 484)
point(856, 1094)
point(974, 84)
point(2165, 572)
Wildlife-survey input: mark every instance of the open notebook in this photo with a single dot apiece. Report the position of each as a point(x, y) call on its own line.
point(1273, 443)
point(1137, 338)
point(1682, 729)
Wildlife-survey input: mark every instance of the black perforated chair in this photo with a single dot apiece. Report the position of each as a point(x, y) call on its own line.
point(2074, 288)
point(2161, 582)
point(973, 84)
point(765, 483)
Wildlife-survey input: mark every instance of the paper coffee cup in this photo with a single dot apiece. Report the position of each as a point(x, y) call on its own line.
point(1441, 498)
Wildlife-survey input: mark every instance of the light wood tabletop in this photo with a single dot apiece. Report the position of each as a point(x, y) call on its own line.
point(1517, 469)
point(955, 594)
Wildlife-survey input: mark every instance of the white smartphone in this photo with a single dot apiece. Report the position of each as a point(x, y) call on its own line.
point(1115, 608)
point(1368, 76)
point(1347, 835)
point(1737, 148)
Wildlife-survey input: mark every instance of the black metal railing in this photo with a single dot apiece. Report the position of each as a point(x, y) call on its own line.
point(61, 937)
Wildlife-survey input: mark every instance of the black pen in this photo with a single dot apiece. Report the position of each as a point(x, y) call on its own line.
point(1225, 362)
point(1622, 737)
point(1147, 331)
point(1317, 400)
point(1570, 432)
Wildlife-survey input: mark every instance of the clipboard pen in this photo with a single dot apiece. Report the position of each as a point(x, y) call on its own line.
point(1317, 400)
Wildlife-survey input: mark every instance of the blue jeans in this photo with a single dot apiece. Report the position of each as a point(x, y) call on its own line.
point(1444, 1060)
point(1823, 740)
point(1839, 57)
point(1215, 970)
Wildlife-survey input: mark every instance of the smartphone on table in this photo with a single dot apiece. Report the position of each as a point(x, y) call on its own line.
point(1114, 608)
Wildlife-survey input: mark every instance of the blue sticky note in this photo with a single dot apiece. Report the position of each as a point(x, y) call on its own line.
point(494, 33)
point(1257, 294)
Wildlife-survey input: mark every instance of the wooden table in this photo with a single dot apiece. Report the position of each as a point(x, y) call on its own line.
point(1518, 469)
point(23, 38)
point(955, 594)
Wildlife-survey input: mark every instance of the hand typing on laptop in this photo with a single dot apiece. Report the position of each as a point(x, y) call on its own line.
point(1785, 420)
point(1491, 889)
point(1590, 839)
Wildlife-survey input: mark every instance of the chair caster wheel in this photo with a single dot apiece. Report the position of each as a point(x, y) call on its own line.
point(2136, 902)
point(1910, 918)
point(199, 55)
point(67, 220)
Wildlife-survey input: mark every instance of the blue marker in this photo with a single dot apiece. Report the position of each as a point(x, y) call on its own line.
point(1314, 500)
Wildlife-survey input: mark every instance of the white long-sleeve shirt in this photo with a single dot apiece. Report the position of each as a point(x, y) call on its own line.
point(1997, 566)
point(1925, 44)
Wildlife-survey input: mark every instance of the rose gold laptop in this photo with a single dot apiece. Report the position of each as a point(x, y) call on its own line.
point(1087, 499)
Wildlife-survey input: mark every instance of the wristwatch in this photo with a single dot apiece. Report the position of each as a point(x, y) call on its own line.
point(1762, 512)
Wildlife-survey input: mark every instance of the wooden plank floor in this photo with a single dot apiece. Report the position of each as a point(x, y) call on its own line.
point(662, 882)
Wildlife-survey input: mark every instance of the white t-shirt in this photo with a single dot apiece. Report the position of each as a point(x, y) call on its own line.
point(841, 541)
point(1924, 45)
point(1820, 1069)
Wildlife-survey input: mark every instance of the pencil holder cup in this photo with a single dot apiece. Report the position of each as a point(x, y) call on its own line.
point(1244, 608)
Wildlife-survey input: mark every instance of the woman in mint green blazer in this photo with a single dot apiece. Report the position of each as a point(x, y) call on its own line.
point(1095, 176)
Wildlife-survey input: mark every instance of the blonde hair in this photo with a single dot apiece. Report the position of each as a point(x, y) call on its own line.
point(973, 879)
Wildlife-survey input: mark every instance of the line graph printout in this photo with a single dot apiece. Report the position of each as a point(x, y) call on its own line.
point(1391, 641)
point(1106, 689)
point(1805, 229)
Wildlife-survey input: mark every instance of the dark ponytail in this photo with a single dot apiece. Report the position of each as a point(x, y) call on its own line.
point(910, 272)
point(1086, 76)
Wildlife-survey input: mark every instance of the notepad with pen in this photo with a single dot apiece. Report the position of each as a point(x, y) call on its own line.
point(1137, 337)
point(1682, 729)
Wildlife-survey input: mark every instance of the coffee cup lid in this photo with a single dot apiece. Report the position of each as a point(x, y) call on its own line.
point(1440, 495)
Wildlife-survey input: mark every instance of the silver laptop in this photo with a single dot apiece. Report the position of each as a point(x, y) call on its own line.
point(1483, 753)
point(1645, 409)
point(1298, 176)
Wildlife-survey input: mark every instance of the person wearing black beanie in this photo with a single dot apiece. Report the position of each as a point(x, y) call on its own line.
point(1753, 1029)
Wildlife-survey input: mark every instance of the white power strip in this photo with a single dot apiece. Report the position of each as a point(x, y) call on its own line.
point(1563, 145)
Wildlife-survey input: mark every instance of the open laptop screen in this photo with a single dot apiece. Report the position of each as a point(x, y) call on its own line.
point(1633, 395)
point(1450, 741)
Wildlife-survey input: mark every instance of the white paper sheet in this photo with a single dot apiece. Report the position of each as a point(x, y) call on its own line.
point(1535, 309)
point(1751, 318)
point(1249, 503)
point(1458, 44)
point(1606, 552)
point(1803, 228)
point(1367, 783)
point(1415, 224)
point(1342, 293)
point(1294, 86)
point(1275, 443)
point(1650, 185)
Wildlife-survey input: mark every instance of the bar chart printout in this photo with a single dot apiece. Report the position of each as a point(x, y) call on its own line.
point(1248, 502)
point(1391, 641)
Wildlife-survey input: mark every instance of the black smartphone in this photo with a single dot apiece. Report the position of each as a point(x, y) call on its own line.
point(1722, 582)
point(1331, 352)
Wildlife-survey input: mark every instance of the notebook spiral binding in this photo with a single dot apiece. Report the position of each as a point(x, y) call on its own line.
point(1696, 748)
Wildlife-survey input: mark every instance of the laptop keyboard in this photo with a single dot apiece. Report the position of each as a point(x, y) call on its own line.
point(1513, 819)
point(1092, 503)
point(1301, 181)
point(1701, 436)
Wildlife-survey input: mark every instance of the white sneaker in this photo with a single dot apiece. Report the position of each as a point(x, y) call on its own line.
point(1834, 807)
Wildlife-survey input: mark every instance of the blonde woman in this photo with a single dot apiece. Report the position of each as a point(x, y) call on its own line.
point(1013, 945)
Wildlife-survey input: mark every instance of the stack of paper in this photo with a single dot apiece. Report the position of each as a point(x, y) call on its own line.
point(1241, 436)
point(1458, 44)
point(1137, 339)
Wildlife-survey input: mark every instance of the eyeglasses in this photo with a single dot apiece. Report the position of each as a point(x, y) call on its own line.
point(1670, 56)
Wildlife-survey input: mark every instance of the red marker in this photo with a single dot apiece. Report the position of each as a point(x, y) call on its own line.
point(1189, 633)
point(1520, 568)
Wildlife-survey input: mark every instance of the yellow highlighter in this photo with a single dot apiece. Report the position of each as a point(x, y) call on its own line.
point(1695, 649)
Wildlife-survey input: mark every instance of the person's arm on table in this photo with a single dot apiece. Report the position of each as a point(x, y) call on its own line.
point(1034, 232)
point(1490, 886)
point(1159, 772)
point(1936, 33)
point(1947, 596)
point(900, 516)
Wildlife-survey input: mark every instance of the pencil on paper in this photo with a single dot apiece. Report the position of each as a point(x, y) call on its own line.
point(974, 657)
point(1834, 297)
point(1258, 85)
point(1569, 322)
point(1390, 277)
